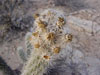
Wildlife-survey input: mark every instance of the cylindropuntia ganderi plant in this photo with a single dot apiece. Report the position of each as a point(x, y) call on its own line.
point(45, 44)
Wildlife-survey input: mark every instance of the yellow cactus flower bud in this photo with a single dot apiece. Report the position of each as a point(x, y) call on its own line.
point(50, 36)
point(69, 37)
point(41, 24)
point(46, 57)
point(56, 50)
point(60, 21)
point(35, 34)
point(37, 45)
point(36, 16)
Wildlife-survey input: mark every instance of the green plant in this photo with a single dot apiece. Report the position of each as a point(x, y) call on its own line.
point(46, 41)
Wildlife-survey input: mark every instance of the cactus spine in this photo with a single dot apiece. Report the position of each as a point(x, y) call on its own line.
point(46, 41)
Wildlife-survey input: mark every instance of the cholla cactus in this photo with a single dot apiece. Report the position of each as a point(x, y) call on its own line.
point(48, 40)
